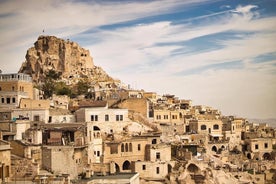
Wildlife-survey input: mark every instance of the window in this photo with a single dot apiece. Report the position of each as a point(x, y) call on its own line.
point(98, 153)
point(0, 89)
point(154, 141)
point(139, 147)
point(106, 117)
point(256, 146)
point(50, 119)
point(36, 118)
point(12, 88)
point(130, 147)
point(122, 148)
point(157, 170)
point(13, 100)
point(94, 117)
point(157, 155)
point(158, 116)
point(126, 148)
point(8, 100)
point(166, 117)
point(7, 172)
point(144, 167)
point(265, 145)
point(216, 127)
point(119, 118)
point(3, 100)
point(203, 127)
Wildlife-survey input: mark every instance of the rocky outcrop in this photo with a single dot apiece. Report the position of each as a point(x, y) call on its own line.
point(63, 56)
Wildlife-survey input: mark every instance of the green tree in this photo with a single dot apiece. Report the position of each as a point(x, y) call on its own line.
point(52, 74)
point(82, 87)
point(62, 89)
point(49, 86)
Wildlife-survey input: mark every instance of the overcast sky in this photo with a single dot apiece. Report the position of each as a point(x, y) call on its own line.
point(218, 53)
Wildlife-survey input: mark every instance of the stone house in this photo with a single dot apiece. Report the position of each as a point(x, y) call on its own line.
point(213, 128)
point(66, 145)
point(233, 128)
point(108, 120)
point(14, 87)
point(140, 105)
point(157, 163)
point(258, 148)
point(124, 151)
point(7, 126)
point(26, 160)
point(5, 162)
point(61, 116)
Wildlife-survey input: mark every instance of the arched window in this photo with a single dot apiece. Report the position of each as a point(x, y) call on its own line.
point(214, 148)
point(126, 165)
point(126, 147)
point(130, 147)
point(122, 148)
point(203, 127)
point(117, 168)
point(216, 127)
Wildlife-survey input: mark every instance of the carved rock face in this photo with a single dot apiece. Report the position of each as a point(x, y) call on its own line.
point(62, 56)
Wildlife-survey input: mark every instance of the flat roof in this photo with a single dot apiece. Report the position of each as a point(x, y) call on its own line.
point(117, 176)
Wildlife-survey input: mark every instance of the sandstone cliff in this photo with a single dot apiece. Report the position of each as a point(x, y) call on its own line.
point(63, 56)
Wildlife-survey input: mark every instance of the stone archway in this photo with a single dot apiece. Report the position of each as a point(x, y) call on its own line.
point(193, 168)
point(249, 156)
point(267, 156)
point(126, 165)
point(117, 168)
point(96, 128)
point(214, 148)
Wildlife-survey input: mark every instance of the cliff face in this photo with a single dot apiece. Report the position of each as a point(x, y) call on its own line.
point(63, 56)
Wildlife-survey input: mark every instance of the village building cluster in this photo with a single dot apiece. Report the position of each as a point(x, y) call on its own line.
point(126, 136)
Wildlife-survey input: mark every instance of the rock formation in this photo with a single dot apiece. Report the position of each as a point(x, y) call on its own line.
point(63, 56)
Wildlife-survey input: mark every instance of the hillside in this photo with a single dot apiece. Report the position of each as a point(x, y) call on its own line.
point(72, 62)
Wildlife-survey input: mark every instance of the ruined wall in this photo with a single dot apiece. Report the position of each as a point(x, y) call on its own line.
point(136, 104)
point(61, 159)
point(34, 104)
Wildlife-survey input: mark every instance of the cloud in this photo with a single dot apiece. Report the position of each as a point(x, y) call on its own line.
point(163, 55)
point(23, 21)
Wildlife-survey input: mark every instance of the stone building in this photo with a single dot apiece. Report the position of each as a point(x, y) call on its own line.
point(61, 116)
point(157, 164)
point(14, 87)
point(258, 148)
point(213, 128)
point(140, 105)
point(65, 145)
point(7, 126)
point(108, 120)
point(5, 161)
